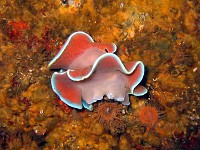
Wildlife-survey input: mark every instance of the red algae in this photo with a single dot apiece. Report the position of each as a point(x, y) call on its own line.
point(17, 27)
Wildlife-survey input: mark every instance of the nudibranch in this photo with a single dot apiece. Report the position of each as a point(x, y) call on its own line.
point(90, 70)
point(79, 51)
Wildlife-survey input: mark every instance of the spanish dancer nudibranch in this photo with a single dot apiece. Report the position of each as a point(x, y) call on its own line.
point(90, 70)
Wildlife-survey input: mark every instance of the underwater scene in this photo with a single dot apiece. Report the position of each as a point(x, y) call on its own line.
point(99, 75)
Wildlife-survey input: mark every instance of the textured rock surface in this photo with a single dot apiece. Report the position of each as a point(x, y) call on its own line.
point(163, 34)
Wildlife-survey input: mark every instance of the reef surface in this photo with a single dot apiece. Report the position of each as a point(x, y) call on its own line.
point(163, 34)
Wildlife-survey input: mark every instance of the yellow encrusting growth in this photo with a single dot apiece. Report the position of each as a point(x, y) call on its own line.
point(163, 34)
